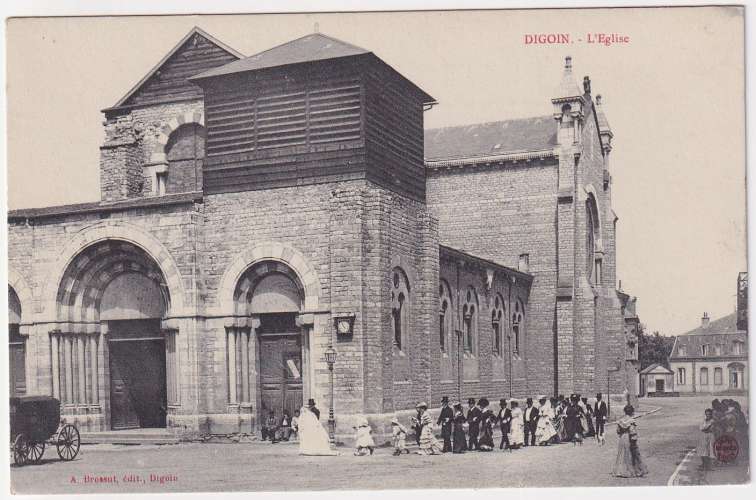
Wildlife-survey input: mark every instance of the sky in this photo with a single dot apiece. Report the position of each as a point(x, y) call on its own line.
point(674, 96)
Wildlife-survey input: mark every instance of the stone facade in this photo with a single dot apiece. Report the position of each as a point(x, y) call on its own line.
point(482, 290)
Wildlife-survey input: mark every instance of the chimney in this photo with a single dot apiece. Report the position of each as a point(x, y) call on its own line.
point(705, 320)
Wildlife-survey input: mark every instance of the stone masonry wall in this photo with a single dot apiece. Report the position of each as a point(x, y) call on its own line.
point(499, 213)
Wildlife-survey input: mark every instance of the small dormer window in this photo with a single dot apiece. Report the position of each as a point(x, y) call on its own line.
point(705, 349)
point(681, 351)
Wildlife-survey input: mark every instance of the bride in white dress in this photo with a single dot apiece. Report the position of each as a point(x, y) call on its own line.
point(313, 438)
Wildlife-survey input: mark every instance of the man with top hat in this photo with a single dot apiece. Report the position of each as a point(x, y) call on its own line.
point(473, 421)
point(600, 413)
point(445, 419)
point(530, 416)
point(313, 408)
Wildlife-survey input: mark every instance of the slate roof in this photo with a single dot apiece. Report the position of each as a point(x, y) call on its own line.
point(726, 324)
point(309, 48)
point(722, 331)
point(493, 138)
point(101, 206)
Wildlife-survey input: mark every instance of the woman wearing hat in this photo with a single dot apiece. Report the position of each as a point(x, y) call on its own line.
point(545, 429)
point(487, 418)
point(629, 462)
point(458, 435)
point(517, 427)
point(428, 443)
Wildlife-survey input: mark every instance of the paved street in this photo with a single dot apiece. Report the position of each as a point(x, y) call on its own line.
point(666, 436)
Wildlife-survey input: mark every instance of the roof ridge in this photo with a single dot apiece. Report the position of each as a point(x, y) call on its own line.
point(301, 38)
point(168, 55)
point(488, 122)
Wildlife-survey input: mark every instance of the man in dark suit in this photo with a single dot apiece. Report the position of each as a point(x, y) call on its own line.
point(505, 418)
point(600, 413)
point(473, 420)
point(530, 415)
point(445, 421)
point(313, 408)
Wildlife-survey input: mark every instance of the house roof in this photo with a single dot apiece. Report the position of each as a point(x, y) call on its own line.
point(726, 324)
point(493, 138)
point(309, 48)
point(693, 342)
point(656, 366)
point(192, 32)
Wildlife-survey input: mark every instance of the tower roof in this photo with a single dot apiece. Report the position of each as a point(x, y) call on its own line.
point(309, 48)
point(568, 87)
point(603, 123)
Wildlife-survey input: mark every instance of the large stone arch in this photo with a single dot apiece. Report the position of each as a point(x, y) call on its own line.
point(23, 291)
point(114, 231)
point(269, 251)
point(159, 153)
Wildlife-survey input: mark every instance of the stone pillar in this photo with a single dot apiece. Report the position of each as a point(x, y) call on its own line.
point(54, 337)
point(82, 370)
point(68, 368)
point(93, 397)
point(231, 335)
point(245, 366)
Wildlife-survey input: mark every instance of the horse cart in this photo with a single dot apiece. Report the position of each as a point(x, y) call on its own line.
point(35, 423)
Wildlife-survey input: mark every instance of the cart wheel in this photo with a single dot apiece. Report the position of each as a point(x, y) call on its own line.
point(68, 442)
point(20, 449)
point(35, 452)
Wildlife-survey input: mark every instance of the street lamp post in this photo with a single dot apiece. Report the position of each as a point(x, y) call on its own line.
point(330, 357)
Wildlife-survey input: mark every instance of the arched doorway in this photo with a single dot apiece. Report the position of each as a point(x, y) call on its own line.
point(16, 347)
point(271, 292)
point(111, 300)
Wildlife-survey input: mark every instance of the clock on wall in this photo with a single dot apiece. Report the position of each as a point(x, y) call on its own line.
point(344, 325)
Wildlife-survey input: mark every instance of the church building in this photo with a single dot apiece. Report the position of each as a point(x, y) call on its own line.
point(282, 227)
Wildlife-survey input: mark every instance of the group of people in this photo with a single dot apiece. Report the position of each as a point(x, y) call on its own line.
point(283, 429)
point(723, 418)
point(553, 420)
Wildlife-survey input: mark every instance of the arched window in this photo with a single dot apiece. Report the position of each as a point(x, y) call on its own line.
point(444, 315)
point(185, 152)
point(16, 347)
point(470, 321)
point(497, 316)
point(518, 326)
point(704, 377)
point(592, 264)
point(400, 306)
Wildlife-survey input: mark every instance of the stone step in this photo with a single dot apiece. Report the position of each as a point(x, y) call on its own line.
point(121, 437)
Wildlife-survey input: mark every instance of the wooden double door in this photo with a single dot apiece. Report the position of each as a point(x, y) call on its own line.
point(281, 384)
point(137, 383)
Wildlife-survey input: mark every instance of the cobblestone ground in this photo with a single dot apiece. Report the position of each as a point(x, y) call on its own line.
point(666, 436)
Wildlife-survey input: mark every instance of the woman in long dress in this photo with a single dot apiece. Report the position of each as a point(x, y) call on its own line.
point(459, 441)
point(629, 462)
point(429, 445)
point(545, 429)
point(313, 438)
point(705, 448)
point(517, 427)
point(485, 442)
